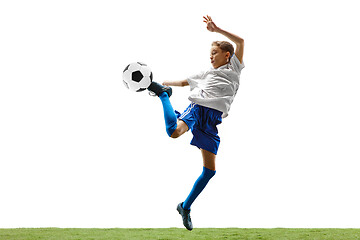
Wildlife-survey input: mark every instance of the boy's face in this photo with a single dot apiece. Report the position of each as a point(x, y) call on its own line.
point(218, 57)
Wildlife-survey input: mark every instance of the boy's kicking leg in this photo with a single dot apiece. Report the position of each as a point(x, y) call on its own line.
point(174, 127)
point(200, 184)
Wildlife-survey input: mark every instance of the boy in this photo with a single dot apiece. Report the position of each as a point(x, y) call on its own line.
point(211, 94)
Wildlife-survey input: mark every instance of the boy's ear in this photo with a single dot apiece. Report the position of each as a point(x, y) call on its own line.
point(228, 55)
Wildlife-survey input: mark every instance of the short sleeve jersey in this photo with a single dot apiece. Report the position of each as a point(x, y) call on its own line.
point(216, 88)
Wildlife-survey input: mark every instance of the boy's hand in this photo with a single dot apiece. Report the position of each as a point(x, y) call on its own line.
point(210, 25)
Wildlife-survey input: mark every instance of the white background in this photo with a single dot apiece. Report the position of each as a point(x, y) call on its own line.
point(77, 149)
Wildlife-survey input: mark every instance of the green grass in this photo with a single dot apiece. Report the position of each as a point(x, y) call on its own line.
point(176, 233)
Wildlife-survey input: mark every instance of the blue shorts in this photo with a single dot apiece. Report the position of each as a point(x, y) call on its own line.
point(202, 121)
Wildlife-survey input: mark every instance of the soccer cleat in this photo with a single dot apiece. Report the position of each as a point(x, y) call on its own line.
point(156, 89)
point(185, 216)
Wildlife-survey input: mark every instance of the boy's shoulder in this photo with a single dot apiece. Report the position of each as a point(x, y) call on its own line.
point(235, 64)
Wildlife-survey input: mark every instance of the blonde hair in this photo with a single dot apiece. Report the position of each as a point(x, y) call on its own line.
point(225, 46)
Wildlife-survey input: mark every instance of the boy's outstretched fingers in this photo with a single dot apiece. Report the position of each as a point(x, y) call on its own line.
point(206, 19)
point(210, 25)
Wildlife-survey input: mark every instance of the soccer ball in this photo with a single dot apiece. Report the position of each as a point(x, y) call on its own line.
point(137, 76)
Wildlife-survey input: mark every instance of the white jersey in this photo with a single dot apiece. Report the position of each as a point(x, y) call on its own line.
point(216, 88)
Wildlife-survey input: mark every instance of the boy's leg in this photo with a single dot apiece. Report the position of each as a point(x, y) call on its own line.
point(169, 114)
point(201, 182)
point(173, 128)
point(208, 159)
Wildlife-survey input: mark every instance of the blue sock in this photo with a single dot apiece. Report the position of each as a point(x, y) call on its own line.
point(199, 185)
point(169, 114)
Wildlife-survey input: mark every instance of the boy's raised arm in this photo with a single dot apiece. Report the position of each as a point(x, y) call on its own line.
point(239, 51)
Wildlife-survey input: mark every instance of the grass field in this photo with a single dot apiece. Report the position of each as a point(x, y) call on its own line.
point(176, 233)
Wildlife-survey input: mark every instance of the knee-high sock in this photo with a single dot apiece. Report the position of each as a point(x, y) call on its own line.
point(169, 114)
point(199, 185)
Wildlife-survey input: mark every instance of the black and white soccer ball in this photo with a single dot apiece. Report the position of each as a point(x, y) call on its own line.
point(137, 76)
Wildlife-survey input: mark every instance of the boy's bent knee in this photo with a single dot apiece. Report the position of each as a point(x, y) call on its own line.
point(181, 128)
point(177, 133)
point(170, 130)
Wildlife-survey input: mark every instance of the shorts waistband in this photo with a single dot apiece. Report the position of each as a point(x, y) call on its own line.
point(212, 109)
